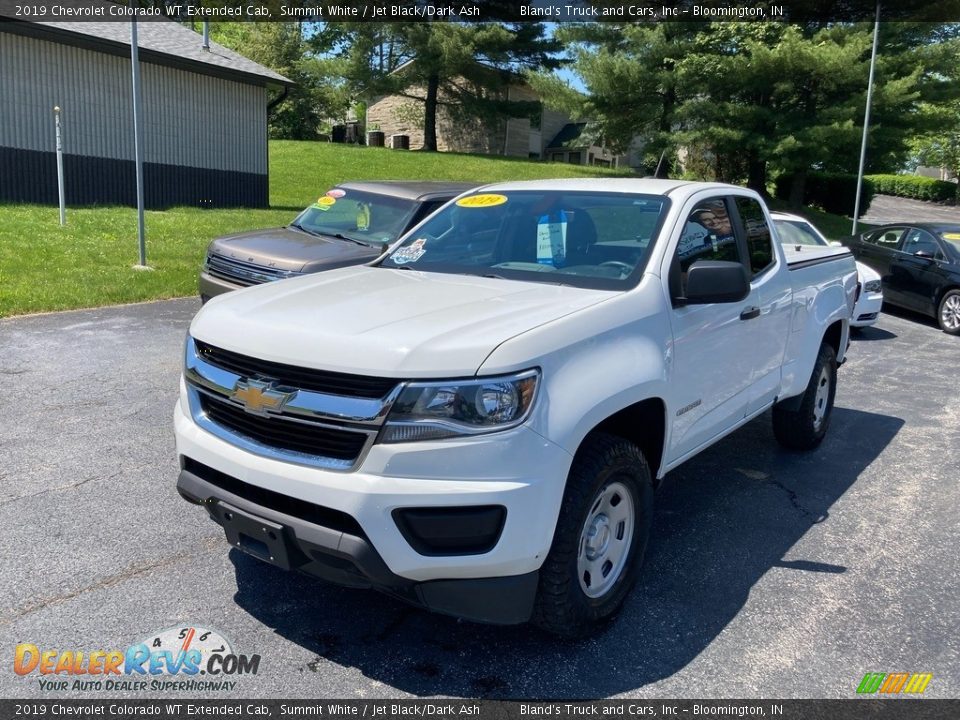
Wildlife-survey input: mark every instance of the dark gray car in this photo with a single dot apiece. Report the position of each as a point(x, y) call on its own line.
point(349, 225)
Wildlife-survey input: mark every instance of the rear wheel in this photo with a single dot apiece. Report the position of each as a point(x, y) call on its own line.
point(805, 427)
point(600, 539)
point(948, 314)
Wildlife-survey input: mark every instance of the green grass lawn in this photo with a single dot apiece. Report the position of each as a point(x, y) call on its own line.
point(299, 171)
point(89, 262)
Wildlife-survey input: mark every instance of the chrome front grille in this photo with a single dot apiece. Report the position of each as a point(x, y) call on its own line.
point(320, 381)
point(243, 273)
point(308, 427)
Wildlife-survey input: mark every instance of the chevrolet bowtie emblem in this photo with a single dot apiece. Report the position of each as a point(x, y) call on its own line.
point(260, 397)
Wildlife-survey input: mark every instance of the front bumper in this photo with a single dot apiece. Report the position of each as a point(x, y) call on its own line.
point(211, 286)
point(867, 309)
point(360, 543)
point(347, 558)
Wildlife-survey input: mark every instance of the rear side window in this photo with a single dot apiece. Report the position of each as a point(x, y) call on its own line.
point(759, 240)
point(889, 239)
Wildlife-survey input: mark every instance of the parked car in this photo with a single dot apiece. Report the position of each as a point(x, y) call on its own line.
point(477, 422)
point(919, 264)
point(351, 224)
point(799, 232)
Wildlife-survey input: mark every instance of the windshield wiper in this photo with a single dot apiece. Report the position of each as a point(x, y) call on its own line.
point(301, 228)
point(341, 236)
point(336, 236)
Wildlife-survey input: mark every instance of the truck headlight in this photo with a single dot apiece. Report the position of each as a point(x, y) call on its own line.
point(871, 286)
point(443, 409)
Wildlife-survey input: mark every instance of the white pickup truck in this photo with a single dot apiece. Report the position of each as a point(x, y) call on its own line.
point(477, 421)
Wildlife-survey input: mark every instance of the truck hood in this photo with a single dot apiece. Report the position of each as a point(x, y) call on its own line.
point(384, 322)
point(291, 249)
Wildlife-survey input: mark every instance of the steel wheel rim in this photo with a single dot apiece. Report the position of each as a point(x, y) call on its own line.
point(950, 314)
point(821, 399)
point(605, 540)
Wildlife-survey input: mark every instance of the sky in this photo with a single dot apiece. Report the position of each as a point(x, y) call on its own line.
point(565, 73)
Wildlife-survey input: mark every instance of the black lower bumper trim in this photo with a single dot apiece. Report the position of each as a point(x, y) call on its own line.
point(343, 558)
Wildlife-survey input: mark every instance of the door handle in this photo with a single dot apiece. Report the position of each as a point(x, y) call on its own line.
point(750, 313)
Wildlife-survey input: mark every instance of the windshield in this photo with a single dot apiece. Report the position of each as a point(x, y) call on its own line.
point(585, 239)
point(363, 216)
point(795, 232)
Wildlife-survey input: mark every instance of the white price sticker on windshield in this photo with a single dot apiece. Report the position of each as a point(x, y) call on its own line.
point(552, 239)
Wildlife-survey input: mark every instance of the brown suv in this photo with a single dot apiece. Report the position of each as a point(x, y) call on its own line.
point(351, 224)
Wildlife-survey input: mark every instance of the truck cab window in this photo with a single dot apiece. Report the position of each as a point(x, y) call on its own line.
point(759, 240)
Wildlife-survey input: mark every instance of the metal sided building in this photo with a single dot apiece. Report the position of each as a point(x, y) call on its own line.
point(204, 116)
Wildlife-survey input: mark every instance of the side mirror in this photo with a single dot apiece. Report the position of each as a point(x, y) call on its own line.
point(716, 281)
point(926, 254)
point(835, 243)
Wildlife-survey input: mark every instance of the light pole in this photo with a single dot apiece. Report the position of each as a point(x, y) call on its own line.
point(137, 138)
point(63, 200)
point(866, 120)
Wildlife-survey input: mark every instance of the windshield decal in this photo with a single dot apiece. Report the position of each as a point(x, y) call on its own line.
point(481, 201)
point(552, 239)
point(336, 193)
point(410, 253)
point(363, 216)
point(323, 203)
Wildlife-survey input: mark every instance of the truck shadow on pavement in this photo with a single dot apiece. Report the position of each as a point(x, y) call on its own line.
point(723, 520)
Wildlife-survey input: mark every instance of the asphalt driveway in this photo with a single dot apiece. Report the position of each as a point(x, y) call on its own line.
point(887, 209)
point(770, 574)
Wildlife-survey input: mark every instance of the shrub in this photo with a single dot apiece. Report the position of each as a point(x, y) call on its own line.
point(915, 186)
point(834, 193)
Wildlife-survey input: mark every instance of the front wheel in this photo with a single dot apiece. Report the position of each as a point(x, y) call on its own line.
point(600, 539)
point(948, 314)
point(805, 427)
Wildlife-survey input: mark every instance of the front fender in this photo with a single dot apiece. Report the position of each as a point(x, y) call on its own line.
point(593, 363)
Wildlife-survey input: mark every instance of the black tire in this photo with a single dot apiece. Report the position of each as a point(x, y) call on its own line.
point(805, 427)
point(948, 312)
point(604, 464)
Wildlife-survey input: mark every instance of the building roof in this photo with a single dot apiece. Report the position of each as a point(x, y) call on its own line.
point(568, 136)
point(161, 42)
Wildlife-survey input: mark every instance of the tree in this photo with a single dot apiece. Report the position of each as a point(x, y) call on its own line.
point(758, 98)
point(939, 147)
point(464, 67)
point(319, 95)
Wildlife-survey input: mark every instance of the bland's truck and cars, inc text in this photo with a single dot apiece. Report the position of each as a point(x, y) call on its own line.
point(477, 421)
